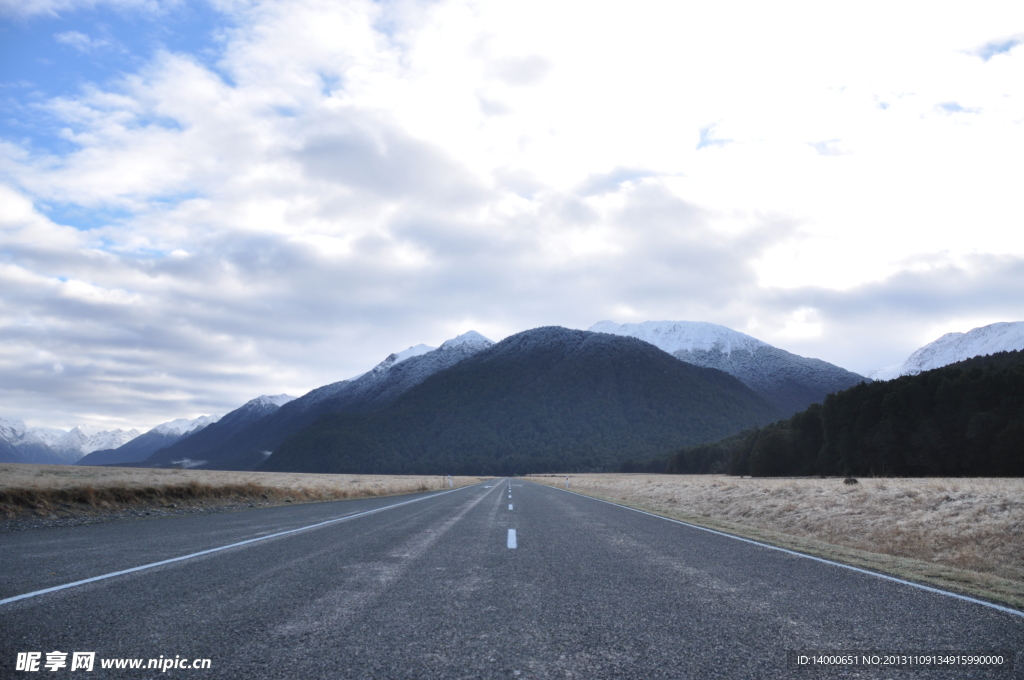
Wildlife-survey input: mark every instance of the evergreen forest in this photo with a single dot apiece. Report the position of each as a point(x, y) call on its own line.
point(965, 419)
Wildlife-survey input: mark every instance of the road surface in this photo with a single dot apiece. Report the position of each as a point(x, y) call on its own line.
point(506, 579)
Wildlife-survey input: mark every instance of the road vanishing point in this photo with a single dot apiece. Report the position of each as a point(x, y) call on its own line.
point(504, 579)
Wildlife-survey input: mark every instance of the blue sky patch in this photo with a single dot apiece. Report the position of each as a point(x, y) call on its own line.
point(45, 56)
point(83, 218)
point(991, 49)
point(709, 139)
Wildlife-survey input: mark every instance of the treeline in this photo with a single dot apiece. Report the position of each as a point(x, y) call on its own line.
point(965, 419)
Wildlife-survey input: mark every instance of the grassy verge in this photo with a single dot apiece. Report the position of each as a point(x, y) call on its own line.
point(61, 490)
point(963, 535)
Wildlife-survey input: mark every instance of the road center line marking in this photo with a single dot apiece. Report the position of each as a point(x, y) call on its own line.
point(930, 589)
point(512, 538)
point(172, 560)
point(509, 506)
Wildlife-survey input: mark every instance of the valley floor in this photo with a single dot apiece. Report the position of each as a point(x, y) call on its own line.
point(962, 534)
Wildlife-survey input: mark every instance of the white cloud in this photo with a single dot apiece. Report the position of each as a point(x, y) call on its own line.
point(80, 41)
point(801, 324)
point(354, 178)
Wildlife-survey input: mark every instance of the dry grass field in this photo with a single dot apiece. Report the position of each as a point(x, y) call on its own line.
point(963, 534)
point(66, 489)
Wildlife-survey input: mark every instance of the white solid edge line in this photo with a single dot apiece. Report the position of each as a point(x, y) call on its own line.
point(512, 538)
point(965, 598)
point(112, 574)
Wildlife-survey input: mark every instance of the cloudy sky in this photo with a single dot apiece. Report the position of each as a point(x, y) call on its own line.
point(202, 201)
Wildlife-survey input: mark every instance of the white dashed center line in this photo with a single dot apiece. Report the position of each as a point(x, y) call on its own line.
point(511, 538)
point(509, 506)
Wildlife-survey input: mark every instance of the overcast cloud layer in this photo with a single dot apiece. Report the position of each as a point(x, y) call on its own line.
point(204, 202)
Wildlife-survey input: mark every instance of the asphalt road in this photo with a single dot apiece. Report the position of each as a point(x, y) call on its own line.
point(434, 589)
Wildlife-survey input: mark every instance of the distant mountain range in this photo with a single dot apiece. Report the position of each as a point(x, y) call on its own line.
point(141, 447)
point(954, 347)
point(549, 399)
point(789, 382)
point(196, 449)
point(783, 383)
point(51, 446)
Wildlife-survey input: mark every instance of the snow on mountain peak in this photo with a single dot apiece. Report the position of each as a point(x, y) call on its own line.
point(1005, 336)
point(14, 424)
point(85, 439)
point(265, 400)
point(12, 430)
point(17, 432)
point(395, 358)
point(183, 426)
point(469, 339)
point(412, 352)
point(689, 336)
point(86, 430)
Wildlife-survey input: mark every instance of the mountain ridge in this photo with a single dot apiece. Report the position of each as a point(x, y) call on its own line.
point(52, 446)
point(249, 442)
point(1004, 336)
point(547, 399)
point(141, 447)
point(208, 439)
point(789, 381)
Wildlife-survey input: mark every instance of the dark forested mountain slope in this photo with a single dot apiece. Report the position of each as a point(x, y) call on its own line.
point(246, 444)
point(788, 381)
point(964, 419)
point(145, 445)
point(549, 399)
point(199, 448)
point(135, 451)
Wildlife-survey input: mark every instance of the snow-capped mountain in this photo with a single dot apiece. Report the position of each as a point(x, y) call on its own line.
point(23, 444)
point(246, 447)
point(48, 436)
point(329, 391)
point(144, 445)
point(393, 359)
point(266, 400)
point(547, 399)
point(88, 438)
point(789, 381)
point(380, 382)
point(470, 339)
point(953, 347)
point(183, 426)
point(268, 403)
point(197, 448)
point(683, 336)
point(15, 432)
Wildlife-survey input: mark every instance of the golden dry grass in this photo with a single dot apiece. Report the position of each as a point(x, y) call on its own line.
point(48, 489)
point(966, 534)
